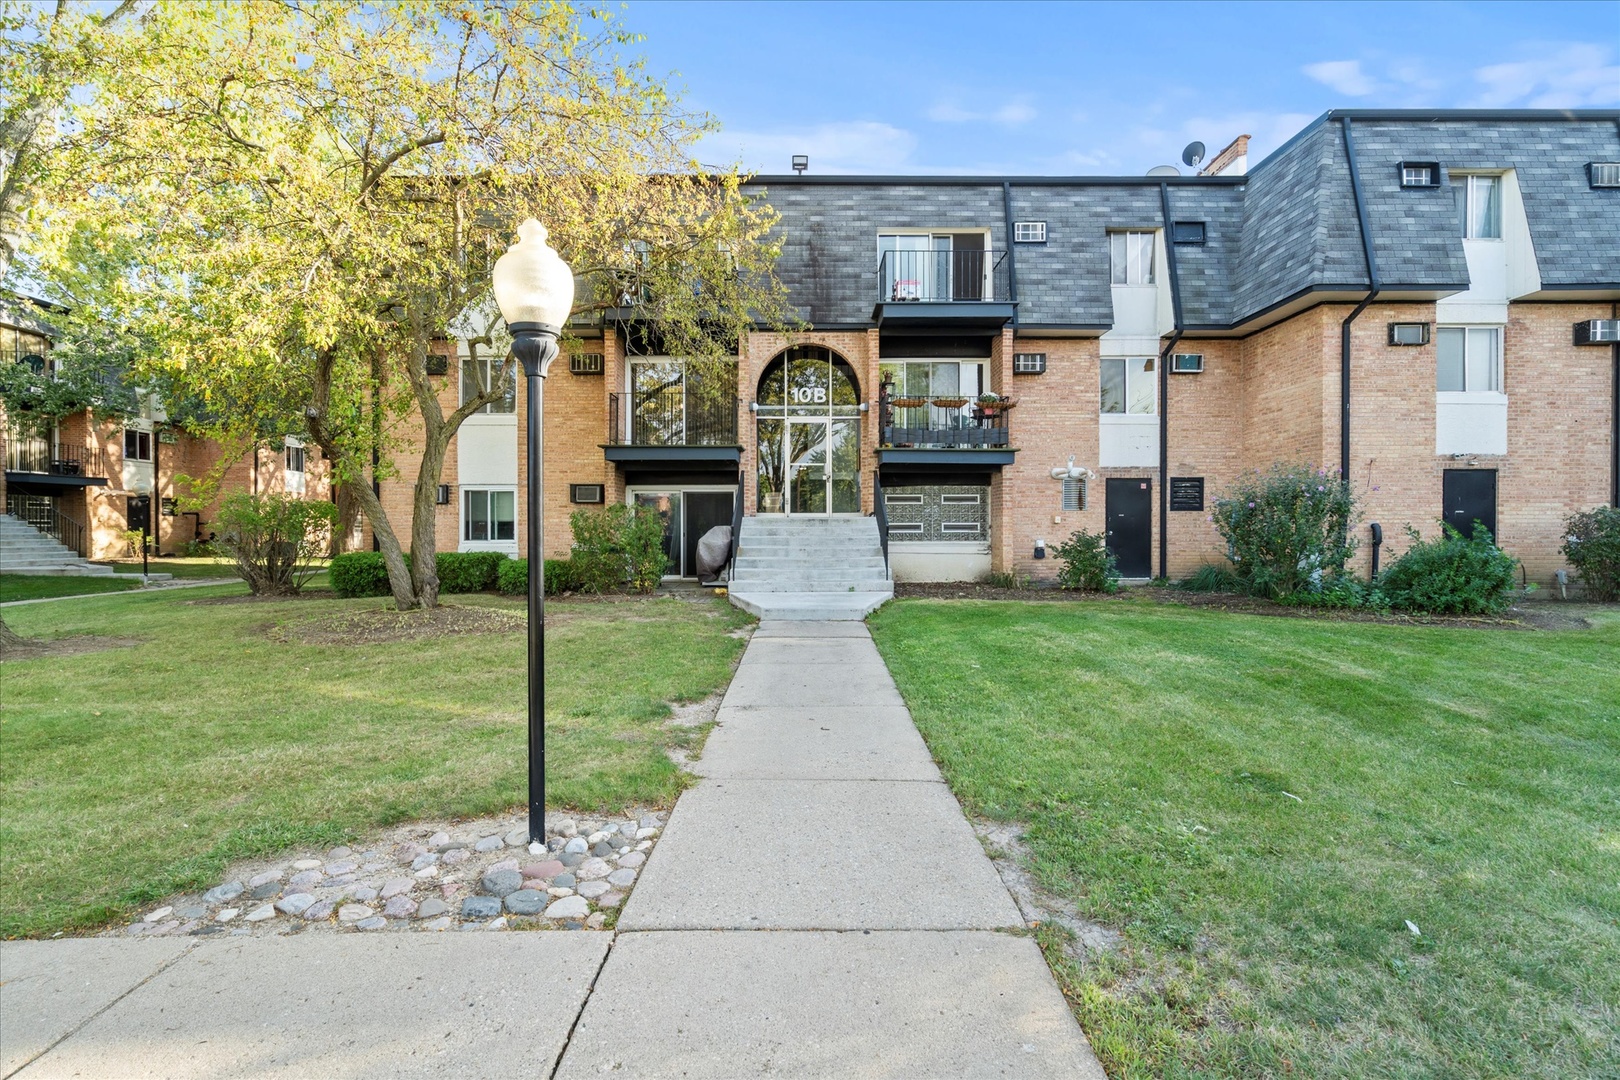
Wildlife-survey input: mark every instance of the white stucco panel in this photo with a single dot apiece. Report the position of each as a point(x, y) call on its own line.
point(1470, 423)
point(1128, 441)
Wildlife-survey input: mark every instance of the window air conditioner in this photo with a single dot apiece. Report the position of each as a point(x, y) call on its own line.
point(1597, 332)
point(443, 496)
point(1187, 363)
point(585, 493)
point(1408, 333)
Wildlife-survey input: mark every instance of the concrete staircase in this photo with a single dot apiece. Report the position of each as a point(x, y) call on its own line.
point(805, 568)
point(26, 550)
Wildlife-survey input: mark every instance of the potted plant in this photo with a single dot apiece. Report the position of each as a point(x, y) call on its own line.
point(990, 404)
point(909, 402)
point(950, 402)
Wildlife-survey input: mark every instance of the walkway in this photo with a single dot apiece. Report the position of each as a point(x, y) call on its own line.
point(854, 928)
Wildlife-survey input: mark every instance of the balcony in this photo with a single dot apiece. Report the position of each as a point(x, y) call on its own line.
point(43, 462)
point(673, 428)
point(960, 288)
point(944, 430)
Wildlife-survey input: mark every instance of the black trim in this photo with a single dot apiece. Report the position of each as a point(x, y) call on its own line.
point(721, 458)
point(916, 460)
point(1344, 327)
point(1012, 255)
point(1164, 386)
point(994, 181)
point(32, 483)
point(987, 314)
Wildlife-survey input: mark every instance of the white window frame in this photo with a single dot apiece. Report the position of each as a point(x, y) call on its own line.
point(1029, 232)
point(1132, 255)
point(468, 495)
point(138, 430)
point(289, 445)
point(1469, 185)
point(1489, 368)
point(1135, 373)
point(1417, 176)
point(480, 371)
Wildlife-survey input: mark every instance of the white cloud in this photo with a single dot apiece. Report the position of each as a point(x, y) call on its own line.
point(850, 146)
point(1343, 76)
point(1015, 112)
point(1566, 76)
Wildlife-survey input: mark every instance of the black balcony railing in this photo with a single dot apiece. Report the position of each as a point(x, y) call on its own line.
point(54, 459)
point(942, 277)
point(945, 421)
point(672, 417)
point(42, 513)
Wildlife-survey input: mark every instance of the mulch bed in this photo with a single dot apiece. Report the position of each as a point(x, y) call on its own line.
point(78, 645)
point(374, 626)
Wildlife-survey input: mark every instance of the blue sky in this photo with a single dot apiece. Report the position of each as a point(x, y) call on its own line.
point(1047, 88)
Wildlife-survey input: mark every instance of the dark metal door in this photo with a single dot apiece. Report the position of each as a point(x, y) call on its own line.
point(1129, 510)
point(139, 514)
point(1469, 495)
point(704, 510)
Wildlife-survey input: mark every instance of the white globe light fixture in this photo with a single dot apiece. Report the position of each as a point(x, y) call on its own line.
point(534, 289)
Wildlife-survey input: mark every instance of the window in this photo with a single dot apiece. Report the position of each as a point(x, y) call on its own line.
point(137, 445)
point(295, 456)
point(1470, 359)
point(1029, 232)
point(1603, 174)
point(1187, 232)
point(1128, 387)
point(488, 515)
point(1074, 493)
point(585, 363)
point(1420, 174)
point(949, 380)
point(24, 347)
point(1186, 363)
point(1479, 205)
point(475, 379)
point(1131, 254)
point(1029, 363)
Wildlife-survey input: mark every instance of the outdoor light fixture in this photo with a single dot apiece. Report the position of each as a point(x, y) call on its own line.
point(535, 291)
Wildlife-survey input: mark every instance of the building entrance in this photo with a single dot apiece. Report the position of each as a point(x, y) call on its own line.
point(809, 430)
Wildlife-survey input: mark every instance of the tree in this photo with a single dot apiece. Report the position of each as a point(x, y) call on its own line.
point(315, 193)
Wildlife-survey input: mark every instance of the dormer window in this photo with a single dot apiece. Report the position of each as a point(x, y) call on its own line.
point(1479, 205)
point(1131, 254)
point(1420, 174)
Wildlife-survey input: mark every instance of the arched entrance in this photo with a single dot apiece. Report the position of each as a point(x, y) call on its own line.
point(809, 427)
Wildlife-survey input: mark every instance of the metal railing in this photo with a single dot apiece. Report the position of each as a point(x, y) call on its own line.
point(880, 511)
point(941, 420)
point(672, 417)
point(54, 459)
point(736, 526)
point(40, 512)
point(942, 277)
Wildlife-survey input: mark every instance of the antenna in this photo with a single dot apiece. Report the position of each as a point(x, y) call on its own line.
point(1164, 170)
point(801, 162)
point(1193, 154)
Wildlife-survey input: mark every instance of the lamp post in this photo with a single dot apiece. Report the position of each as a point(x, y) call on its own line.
point(535, 291)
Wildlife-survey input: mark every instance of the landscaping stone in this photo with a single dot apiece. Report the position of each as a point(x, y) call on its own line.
point(543, 870)
point(339, 853)
point(319, 911)
point(557, 894)
point(590, 890)
point(610, 900)
point(351, 913)
point(431, 908)
point(480, 907)
point(564, 881)
point(567, 827)
point(395, 887)
point(265, 878)
point(526, 902)
point(456, 856)
point(569, 907)
point(439, 840)
point(372, 923)
point(259, 914)
point(266, 891)
point(159, 915)
point(407, 852)
point(295, 904)
point(220, 894)
point(427, 873)
point(193, 912)
point(571, 859)
point(646, 834)
point(632, 859)
point(364, 894)
point(400, 907)
point(489, 843)
point(593, 868)
point(497, 924)
point(576, 846)
point(227, 914)
point(517, 837)
point(504, 864)
point(425, 860)
point(338, 869)
point(596, 921)
point(502, 882)
point(602, 850)
point(444, 922)
point(306, 880)
point(622, 878)
point(307, 864)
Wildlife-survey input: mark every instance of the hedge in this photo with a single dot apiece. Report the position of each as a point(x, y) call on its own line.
point(468, 571)
point(513, 577)
point(360, 573)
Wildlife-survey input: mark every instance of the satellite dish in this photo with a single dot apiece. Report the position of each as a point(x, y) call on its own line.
point(1191, 156)
point(1164, 170)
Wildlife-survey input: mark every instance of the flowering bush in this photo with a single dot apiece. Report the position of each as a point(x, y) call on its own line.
point(1450, 575)
point(1287, 531)
point(1592, 545)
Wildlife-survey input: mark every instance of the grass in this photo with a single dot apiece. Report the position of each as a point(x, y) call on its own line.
point(136, 772)
point(43, 586)
point(1261, 804)
point(205, 566)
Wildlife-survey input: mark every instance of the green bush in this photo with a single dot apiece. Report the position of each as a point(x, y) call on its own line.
point(360, 573)
point(468, 571)
point(512, 577)
point(1287, 531)
point(277, 540)
point(1211, 579)
point(1087, 564)
point(1592, 545)
point(1342, 592)
point(1450, 575)
point(614, 544)
point(643, 539)
point(559, 577)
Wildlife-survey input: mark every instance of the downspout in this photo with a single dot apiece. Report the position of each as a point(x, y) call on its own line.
point(1373, 287)
point(1012, 256)
point(1164, 385)
point(1614, 421)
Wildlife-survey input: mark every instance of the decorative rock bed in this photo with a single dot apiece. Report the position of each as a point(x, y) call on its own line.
point(480, 875)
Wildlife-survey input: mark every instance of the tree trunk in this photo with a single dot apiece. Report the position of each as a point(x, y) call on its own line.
point(425, 518)
point(399, 574)
point(8, 636)
point(348, 513)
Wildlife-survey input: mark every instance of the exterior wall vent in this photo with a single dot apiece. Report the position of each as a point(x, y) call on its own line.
point(1187, 232)
point(442, 497)
point(1597, 332)
point(585, 363)
point(585, 493)
point(1029, 363)
point(1408, 333)
point(1187, 363)
point(1029, 232)
point(1420, 174)
point(1074, 493)
point(1186, 493)
point(1603, 174)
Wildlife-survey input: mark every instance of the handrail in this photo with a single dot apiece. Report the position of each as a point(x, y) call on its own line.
point(672, 417)
point(960, 421)
point(40, 512)
point(53, 459)
point(963, 275)
point(880, 512)
point(736, 527)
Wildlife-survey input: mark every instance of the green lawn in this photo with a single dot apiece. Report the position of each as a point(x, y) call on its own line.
point(1260, 805)
point(41, 586)
point(134, 772)
point(180, 566)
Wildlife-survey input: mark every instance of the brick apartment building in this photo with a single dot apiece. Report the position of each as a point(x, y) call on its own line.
point(86, 481)
point(1423, 301)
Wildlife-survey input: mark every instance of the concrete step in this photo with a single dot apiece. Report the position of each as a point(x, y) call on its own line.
point(795, 562)
point(809, 574)
point(810, 606)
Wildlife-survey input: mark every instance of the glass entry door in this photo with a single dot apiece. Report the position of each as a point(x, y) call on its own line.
point(809, 427)
point(807, 472)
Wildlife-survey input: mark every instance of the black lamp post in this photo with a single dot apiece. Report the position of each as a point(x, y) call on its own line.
point(535, 291)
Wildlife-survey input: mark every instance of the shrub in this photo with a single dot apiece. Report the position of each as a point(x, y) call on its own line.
point(468, 571)
point(1211, 579)
point(1007, 579)
point(512, 577)
point(1342, 592)
point(644, 548)
point(1288, 530)
point(615, 543)
point(275, 539)
point(1592, 545)
point(1087, 563)
point(1450, 575)
point(559, 577)
point(360, 573)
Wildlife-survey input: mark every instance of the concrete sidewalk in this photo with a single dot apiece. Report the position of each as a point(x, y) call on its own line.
point(817, 906)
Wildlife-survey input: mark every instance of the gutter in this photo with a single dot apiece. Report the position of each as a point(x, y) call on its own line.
point(1164, 385)
point(1012, 255)
point(1373, 287)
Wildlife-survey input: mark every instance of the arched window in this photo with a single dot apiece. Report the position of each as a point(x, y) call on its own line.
point(809, 406)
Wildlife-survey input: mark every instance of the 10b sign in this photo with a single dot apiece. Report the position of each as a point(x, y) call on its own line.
point(809, 395)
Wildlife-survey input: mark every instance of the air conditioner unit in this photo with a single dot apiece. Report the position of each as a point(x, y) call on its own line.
point(585, 493)
point(585, 363)
point(1597, 332)
point(438, 364)
point(1408, 333)
point(443, 496)
point(1187, 363)
point(1029, 363)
